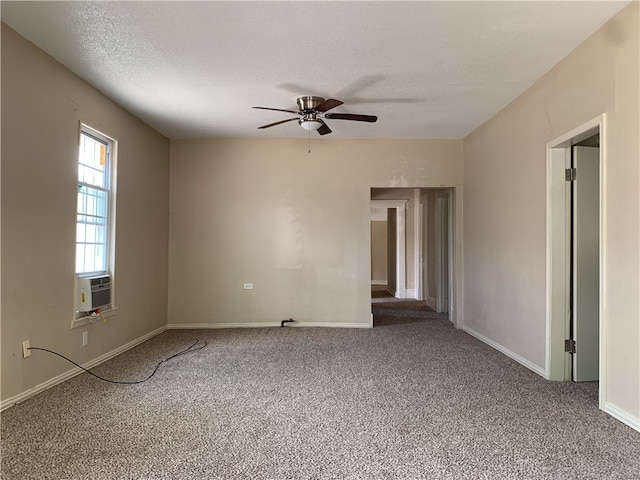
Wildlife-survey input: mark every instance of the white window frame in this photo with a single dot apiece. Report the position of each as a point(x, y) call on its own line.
point(81, 318)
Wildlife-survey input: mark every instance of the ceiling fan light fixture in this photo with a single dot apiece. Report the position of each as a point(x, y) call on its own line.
point(311, 124)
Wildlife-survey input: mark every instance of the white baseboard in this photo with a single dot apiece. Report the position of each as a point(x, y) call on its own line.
point(329, 325)
point(623, 416)
point(411, 293)
point(521, 360)
point(195, 326)
point(431, 302)
point(378, 282)
point(609, 408)
point(9, 402)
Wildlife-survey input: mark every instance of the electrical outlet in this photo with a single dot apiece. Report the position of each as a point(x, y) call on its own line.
point(248, 286)
point(26, 349)
point(85, 339)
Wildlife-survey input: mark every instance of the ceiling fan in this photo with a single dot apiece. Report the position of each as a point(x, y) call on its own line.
point(311, 112)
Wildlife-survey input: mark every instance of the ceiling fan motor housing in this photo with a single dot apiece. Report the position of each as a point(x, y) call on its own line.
point(308, 103)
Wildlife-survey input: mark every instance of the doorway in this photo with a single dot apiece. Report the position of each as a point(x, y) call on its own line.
point(420, 246)
point(388, 247)
point(584, 272)
point(575, 333)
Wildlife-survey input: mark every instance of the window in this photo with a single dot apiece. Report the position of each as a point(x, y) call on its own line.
point(93, 224)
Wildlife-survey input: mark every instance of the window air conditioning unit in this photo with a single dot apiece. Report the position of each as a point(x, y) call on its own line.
point(93, 293)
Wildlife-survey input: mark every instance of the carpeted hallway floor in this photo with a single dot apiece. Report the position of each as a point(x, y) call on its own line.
point(413, 398)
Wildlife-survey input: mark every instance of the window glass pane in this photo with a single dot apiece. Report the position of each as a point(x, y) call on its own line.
point(91, 234)
point(92, 202)
point(100, 258)
point(93, 162)
point(80, 268)
point(100, 234)
point(92, 206)
point(101, 204)
point(89, 257)
point(98, 178)
point(80, 233)
point(80, 198)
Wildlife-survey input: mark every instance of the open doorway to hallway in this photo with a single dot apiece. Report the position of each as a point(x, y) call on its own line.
point(388, 248)
point(412, 246)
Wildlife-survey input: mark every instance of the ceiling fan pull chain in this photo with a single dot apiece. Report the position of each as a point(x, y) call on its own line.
point(309, 132)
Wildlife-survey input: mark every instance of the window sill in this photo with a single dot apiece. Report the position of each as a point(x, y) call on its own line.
point(88, 320)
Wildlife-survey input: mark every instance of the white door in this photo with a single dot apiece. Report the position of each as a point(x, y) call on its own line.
point(586, 263)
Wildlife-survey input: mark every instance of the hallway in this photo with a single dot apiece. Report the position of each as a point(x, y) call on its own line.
point(388, 310)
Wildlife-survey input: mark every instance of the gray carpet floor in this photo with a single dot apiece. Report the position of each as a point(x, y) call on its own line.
point(409, 399)
point(392, 310)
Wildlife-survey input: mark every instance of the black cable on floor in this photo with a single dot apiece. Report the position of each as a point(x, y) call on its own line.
point(191, 349)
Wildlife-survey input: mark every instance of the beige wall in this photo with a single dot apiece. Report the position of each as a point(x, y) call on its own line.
point(42, 105)
point(379, 252)
point(295, 224)
point(505, 202)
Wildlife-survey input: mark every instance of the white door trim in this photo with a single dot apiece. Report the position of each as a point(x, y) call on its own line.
point(556, 365)
point(443, 263)
point(440, 261)
point(400, 206)
point(417, 221)
point(451, 249)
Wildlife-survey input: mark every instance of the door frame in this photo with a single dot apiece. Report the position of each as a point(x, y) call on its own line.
point(423, 258)
point(418, 272)
point(558, 363)
point(443, 262)
point(400, 207)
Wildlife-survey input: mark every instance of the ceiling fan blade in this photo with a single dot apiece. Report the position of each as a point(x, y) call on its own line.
point(276, 109)
point(328, 105)
point(351, 116)
point(324, 128)
point(278, 123)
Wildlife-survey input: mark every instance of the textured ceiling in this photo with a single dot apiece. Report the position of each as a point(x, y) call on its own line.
point(195, 69)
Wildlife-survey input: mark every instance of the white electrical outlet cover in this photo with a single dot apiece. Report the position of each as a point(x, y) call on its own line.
point(26, 349)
